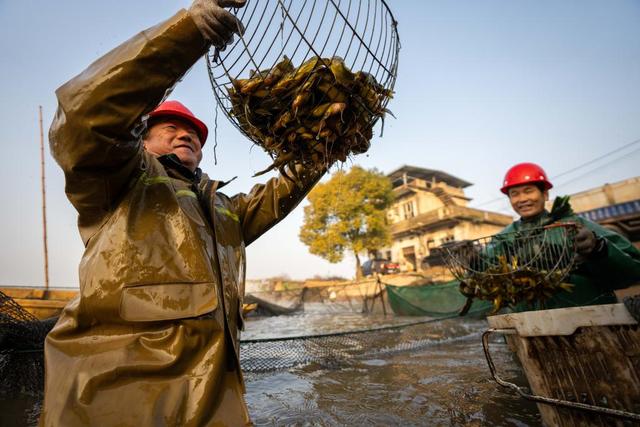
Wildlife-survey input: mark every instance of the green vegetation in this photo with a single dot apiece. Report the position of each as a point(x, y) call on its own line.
point(348, 213)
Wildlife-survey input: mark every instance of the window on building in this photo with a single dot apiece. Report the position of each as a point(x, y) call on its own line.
point(408, 210)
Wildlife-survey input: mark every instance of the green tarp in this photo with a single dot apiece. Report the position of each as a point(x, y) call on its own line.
point(436, 300)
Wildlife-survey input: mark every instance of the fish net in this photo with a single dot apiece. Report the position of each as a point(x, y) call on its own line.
point(513, 268)
point(335, 349)
point(21, 343)
point(309, 78)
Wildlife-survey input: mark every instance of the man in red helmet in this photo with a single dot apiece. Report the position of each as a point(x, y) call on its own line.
point(607, 261)
point(153, 338)
point(173, 129)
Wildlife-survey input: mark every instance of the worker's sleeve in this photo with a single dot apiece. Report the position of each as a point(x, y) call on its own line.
point(94, 135)
point(267, 204)
point(620, 266)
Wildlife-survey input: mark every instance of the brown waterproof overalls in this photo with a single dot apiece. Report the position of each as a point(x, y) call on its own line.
point(152, 339)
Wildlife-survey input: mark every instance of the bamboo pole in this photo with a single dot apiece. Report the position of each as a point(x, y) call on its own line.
point(44, 204)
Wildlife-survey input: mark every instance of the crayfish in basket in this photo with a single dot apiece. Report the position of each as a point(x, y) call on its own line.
point(315, 114)
point(508, 284)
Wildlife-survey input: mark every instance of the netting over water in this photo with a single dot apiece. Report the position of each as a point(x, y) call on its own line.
point(261, 355)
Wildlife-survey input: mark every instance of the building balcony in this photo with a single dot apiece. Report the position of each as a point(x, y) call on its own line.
point(446, 216)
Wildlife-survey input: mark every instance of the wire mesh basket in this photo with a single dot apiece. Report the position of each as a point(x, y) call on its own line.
point(513, 268)
point(291, 59)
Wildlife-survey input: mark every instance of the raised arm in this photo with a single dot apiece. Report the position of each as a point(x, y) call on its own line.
point(93, 135)
point(267, 204)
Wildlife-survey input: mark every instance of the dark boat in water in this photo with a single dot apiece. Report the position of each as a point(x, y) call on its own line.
point(272, 303)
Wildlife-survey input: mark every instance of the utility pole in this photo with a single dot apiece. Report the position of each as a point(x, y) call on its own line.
point(44, 205)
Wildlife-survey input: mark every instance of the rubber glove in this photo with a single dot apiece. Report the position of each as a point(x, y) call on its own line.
point(588, 245)
point(216, 24)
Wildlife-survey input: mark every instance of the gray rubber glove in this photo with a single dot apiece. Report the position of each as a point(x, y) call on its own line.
point(589, 246)
point(216, 24)
point(586, 241)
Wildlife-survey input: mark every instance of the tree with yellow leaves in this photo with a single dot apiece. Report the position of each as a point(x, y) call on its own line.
point(348, 213)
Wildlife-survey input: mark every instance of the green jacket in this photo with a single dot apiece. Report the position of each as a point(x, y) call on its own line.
point(596, 278)
point(153, 337)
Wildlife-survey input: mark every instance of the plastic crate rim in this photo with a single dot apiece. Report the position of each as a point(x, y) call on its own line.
point(562, 321)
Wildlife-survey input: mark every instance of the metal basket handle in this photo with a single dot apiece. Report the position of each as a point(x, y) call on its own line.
point(541, 399)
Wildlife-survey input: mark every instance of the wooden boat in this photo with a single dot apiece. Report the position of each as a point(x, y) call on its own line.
point(42, 303)
point(49, 303)
point(276, 303)
point(248, 308)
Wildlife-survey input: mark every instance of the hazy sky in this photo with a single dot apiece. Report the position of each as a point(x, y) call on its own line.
point(481, 85)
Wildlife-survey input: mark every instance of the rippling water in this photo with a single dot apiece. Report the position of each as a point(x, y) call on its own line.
point(444, 381)
point(429, 374)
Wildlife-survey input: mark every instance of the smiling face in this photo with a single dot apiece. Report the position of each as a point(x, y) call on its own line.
point(171, 135)
point(527, 200)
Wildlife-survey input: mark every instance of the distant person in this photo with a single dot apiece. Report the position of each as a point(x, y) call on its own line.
point(606, 260)
point(153, 338)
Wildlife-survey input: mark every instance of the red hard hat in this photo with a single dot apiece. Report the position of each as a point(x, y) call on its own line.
point(176, 109)
point(525, 173)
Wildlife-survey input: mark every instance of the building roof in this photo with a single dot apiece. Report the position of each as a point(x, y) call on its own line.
point(428, 175)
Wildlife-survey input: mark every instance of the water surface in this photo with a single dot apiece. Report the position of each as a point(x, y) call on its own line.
point(427, 374)
point(442, 380)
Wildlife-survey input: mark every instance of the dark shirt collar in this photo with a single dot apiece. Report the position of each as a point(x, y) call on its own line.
point(536, 219)
point(174, 166)
point(173, 163)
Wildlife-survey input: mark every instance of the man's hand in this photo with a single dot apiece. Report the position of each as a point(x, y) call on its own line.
point(216, 24)
point(588, 244)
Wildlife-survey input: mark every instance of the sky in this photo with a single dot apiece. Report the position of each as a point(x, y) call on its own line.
point(481, 85)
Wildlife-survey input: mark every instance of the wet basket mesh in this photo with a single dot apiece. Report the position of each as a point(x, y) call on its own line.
point(364, 34)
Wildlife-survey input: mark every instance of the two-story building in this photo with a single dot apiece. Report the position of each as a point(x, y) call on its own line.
point(430, 209)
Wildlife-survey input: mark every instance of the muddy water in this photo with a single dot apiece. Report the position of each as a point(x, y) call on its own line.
point(442, 379)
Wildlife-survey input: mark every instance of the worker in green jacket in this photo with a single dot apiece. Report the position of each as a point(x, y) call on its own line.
point(605, 260)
